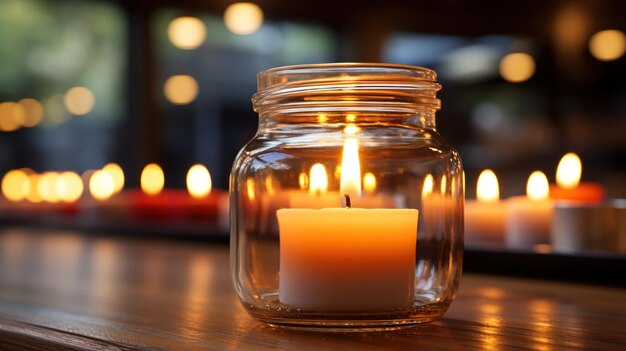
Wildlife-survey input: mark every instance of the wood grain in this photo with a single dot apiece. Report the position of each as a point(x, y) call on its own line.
point(72, 291)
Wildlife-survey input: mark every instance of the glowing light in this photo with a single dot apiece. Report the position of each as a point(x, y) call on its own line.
point(350, 183)
point(79, 101)
point(537, 187)
point(427, 187)
point(250, 188)
point(69, 187)
point(186, 33)
point(47, 187)
point(608, 45)
point(101, 185)
point(15, 185)
point(351, 129)
point(11, 116)
point(517, 67)
point(33, 112)
point(33, 193)
point(269, 185)
point(322, 118)
point(318, 179)
point(180, 89)
point(152, 179)
point(243, 18)
point(487, 189)
point(369, 182)
point(443, 184)
point(198, 181)
point(117, 174)
point(569, 171)
point(350, 117)
point(303, 180)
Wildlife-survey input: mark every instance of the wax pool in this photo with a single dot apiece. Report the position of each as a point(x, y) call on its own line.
point(347, 259)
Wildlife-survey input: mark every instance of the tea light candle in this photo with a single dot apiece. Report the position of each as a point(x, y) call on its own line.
point(347, 259)
point(485, 217)
point(569, 187)
point(529, 218)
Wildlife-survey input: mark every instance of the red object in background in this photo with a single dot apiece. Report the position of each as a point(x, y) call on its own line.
point(584, 192)
point(173, 204)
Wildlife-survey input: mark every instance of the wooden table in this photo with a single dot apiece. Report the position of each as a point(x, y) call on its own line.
point(67, 290)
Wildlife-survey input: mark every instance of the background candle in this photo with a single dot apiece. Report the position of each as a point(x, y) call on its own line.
point(485, 217)
point(568, 186)
point(529, 218)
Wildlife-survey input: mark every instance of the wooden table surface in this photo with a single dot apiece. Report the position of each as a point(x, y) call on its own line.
point(75, 291)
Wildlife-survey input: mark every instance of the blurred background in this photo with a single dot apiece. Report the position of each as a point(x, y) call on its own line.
point(86, 83)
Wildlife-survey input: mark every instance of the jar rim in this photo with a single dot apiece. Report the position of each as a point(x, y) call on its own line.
point(340, 70)
point(347, 85)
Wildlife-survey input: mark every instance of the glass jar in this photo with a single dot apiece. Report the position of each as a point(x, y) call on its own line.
point(347, 205)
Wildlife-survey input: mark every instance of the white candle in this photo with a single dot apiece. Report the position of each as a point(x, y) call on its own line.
point(484, 218)
point(529, 218)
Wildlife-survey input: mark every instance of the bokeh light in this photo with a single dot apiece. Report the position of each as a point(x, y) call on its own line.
point(243, 18)
point(33, 112)
point(117, 174)
point(517, 67)
point(15, 185)
point(46, 187)
point(180, 89)
point(79, 101)
point(198, 181)
point(69, 187)
point(101, 185)
point(33, 193)
point(608, 45)
point(152, 179)
point(186, 33)
point(12, 116)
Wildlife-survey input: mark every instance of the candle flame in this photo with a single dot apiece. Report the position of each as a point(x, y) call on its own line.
point(101, 185)
point(69, 187)
point(537, 187)
point(152, 179)
point(350, 168)
point(487, 189)
point(15, 185)
point(427, 188)
point(369, 182)
point(569, 171)
point(318, 179)
point(33, 193)
point(198, 181)
point(46, 186)
point(117, 174)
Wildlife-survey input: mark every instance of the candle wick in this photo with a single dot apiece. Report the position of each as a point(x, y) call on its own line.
point(348, 204)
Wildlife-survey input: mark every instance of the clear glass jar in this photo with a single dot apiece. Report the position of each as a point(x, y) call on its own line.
point(347, 205)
